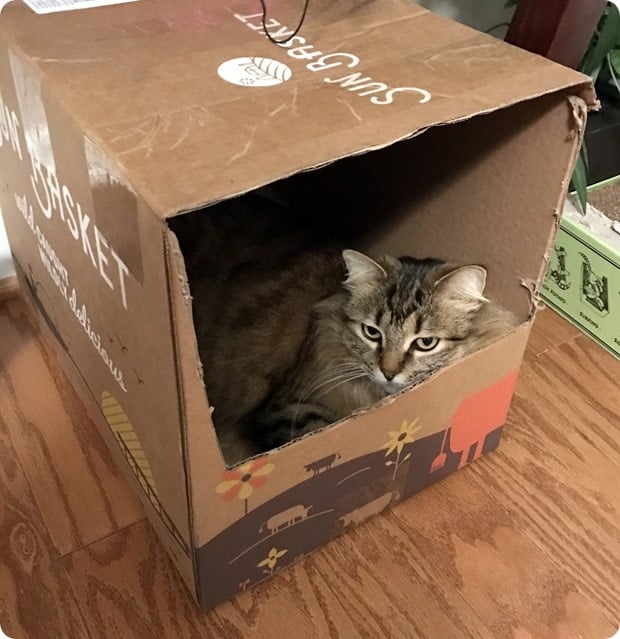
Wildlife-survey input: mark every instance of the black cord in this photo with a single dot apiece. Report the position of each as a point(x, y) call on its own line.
point(301, 21)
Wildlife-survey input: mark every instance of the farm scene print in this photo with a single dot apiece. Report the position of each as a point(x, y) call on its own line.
point(339, 494)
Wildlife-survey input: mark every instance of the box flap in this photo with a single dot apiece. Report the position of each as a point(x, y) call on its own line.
point(196, 105)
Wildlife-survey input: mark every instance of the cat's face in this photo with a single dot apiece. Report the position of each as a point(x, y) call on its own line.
point(407, 318)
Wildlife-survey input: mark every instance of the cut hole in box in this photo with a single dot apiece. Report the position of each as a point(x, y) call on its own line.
point(420, 197)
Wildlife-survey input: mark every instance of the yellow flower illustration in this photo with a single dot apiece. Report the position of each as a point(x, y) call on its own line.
point(398, 438)
point(271, 559)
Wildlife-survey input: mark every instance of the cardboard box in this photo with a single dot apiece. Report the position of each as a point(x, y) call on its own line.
point(431, 138)
point(583, 280)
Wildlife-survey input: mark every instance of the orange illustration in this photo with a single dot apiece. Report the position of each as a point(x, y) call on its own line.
point(241, 482)
point(476, 417)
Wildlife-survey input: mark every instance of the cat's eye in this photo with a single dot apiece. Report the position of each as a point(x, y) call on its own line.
point(371, 332)
point(425, 343)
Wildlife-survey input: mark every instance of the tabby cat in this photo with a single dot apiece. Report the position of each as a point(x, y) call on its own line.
point(295, 333)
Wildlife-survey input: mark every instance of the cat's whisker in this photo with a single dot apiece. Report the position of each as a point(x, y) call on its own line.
point(319, 383)
point(336, 381)
point(349, 375)
point(335, 369)
point(340, 383)
point(334, 376)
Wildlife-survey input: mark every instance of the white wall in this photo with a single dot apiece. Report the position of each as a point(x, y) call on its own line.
point(6, 264)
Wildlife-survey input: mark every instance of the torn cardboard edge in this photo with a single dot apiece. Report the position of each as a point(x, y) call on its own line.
point(179, 274)
point(579, 111)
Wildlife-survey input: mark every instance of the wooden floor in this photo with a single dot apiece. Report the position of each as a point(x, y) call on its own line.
point(524, 544)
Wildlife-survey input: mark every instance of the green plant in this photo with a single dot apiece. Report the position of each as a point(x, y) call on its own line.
point(602, 59)
point(602, 63)
point(579, 180)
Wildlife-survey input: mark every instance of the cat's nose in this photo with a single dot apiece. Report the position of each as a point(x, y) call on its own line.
point(390, 364)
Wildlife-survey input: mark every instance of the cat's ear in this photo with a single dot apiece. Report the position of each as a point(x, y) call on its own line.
point(465, 285)
point(361, 270)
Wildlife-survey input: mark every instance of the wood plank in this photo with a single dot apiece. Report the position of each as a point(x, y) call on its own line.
point(557, 469)
point(478, 545)
point(9, 287)
point(127, 587)
point(388, 588)
point(127, 583)
point(79, 490)
point(36, 600)
point(550, 330)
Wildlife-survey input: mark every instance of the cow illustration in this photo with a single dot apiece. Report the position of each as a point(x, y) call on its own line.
point(321, 465)
point(478, 416)
point(285, 519)
point(368, 510)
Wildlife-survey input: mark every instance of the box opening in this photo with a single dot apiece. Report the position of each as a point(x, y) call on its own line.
point(446, 193)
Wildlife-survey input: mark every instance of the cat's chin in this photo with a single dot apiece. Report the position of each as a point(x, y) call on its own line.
point(389, 388)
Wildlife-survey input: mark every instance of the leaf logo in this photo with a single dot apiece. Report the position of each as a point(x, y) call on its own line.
point(254, 72)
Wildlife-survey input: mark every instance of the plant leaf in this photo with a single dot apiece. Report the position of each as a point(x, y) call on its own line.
point(579, 181)
point(583, 154)
point(613, 63)
point(614, 59)
point(606, 39)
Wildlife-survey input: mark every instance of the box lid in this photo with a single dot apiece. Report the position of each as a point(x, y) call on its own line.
point(195, 105)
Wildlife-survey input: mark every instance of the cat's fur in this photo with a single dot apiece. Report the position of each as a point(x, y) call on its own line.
point(278, 313)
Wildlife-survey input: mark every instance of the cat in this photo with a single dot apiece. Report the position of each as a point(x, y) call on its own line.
point(296, 332)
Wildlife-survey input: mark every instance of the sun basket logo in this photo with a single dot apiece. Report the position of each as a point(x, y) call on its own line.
point(254, 72)
point(357, 82)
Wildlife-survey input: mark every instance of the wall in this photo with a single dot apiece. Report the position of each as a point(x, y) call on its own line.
point(6, 265)
point(479, 14)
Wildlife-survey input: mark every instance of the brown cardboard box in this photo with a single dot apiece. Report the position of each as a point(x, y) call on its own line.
point(115, 120)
